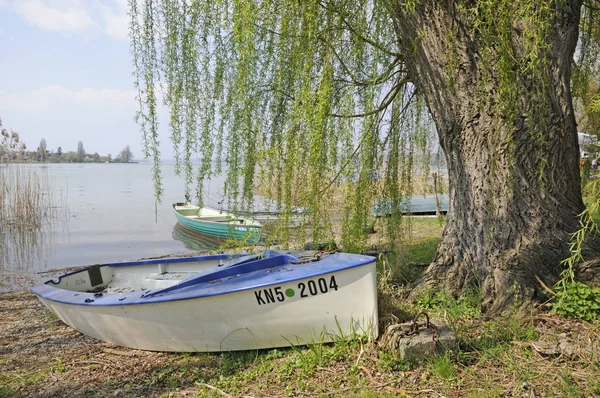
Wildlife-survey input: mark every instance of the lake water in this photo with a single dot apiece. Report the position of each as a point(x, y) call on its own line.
point(110, 215)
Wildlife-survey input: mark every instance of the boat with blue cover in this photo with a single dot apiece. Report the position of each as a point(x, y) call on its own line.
point(219, 302)
point(216, 223)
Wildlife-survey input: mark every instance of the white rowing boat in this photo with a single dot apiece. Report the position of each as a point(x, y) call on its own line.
point(193, 304)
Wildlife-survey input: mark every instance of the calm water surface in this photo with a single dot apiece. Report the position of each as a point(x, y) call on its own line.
point(110, 214)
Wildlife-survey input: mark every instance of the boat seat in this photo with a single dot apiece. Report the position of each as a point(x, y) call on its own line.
point(229, 221)
point(171, 276)
point(215, 218)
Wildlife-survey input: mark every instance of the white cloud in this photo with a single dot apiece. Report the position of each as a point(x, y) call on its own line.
point(115, 21)
point(66, 15)
point(76, 103)
point(107, 16)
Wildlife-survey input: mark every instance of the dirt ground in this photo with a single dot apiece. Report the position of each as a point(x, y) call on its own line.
point(46, 358)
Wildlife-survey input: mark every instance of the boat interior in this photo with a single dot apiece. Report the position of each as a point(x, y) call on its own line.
point(195, 213)
point(115, 278)
point(163, 276)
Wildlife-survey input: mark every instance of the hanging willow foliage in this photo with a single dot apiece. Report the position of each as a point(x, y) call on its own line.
point(586, 74)
point(310, 98)
point(303, 95)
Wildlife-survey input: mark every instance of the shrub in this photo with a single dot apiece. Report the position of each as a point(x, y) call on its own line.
point(578, 300)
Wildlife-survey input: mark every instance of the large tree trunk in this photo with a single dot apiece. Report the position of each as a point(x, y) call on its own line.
point(509, 217)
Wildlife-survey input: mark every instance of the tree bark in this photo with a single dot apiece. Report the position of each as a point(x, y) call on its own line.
point(509, 218)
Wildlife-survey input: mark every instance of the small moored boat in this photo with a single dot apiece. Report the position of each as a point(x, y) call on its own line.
point(249, 302)
point(218, 224)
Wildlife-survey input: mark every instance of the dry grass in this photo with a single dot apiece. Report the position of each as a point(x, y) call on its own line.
point(29, 205)
point(27, 197)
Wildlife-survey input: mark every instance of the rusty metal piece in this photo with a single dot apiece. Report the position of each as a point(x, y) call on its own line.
point(428, 325)
point(316, 256)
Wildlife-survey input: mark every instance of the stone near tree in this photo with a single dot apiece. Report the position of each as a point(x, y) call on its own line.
point(416, 345)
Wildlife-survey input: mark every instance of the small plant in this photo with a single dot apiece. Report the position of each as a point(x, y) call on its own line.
point(569, 386)
point(443, 367)
point(6, 391)
point(60, 366)
point(391, 363)
point(466, 306)
point(578, 300)
point(429, 299)
point(575, 299)
point(234, 361)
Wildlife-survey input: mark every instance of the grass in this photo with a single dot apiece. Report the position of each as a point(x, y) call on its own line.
point(416, 251)
point(28, 206)
point(497, 357)
point(443, 367)
point(26, 196)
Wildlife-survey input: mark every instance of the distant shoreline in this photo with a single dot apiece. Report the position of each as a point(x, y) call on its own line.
point(55, 162)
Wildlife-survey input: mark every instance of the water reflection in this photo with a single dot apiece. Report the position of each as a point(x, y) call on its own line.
point(22, 245)
point(98, 213)
point(29, 248)
point(31, 213)
point(194, 240)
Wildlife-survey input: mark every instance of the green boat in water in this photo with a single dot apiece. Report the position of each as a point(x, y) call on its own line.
point(216, 223)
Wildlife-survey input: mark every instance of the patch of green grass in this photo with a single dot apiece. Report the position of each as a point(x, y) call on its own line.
point(6, 391)
point(391, 363)
point(59, 366)
point(165, 375)
point(378, 394)
point(494, 338)
point(28, 378)
point(523, 382)
point(298, 366)
point(569, 387)
point(416, 250)
point(490, 392)
point(181, 370)
point(288, 370)
point(422, 251)
point(233, 361)
point(442, 366)
point(444, 304)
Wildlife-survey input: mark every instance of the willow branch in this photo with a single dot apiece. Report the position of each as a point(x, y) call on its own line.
point(334, 179)
point(362, 38)
point(592, 5)
point(384, 76)
point(386, 102)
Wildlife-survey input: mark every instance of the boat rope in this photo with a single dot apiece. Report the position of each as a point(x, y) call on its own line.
point(316, 256)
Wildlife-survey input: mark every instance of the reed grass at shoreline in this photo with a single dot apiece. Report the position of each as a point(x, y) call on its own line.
point(26, 197)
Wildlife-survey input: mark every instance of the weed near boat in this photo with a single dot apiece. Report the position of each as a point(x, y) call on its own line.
point(29, 209)
point(27, 197)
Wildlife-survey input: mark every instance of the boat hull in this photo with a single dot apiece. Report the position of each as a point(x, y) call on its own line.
point(247, 231)
point(317, 309)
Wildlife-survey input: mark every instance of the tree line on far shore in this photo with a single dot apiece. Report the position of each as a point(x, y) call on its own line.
point(12, 150)
point(79, 156)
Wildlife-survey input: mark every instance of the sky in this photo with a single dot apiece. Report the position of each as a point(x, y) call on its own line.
point(66, 75)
